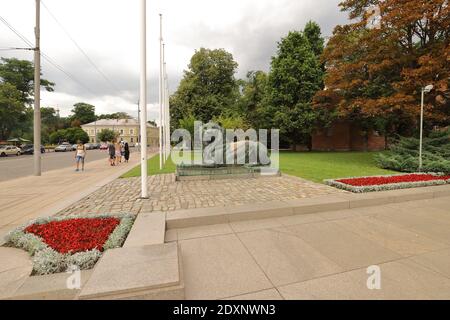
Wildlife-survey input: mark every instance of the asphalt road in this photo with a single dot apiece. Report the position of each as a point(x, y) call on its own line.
point(13, 167)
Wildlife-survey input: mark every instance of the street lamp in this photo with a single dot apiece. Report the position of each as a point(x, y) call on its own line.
point(427, 89)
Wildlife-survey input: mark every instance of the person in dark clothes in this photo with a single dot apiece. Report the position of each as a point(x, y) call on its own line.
point(112, 153)
point(127, 152)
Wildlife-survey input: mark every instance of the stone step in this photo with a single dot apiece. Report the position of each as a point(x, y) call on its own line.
point(148, 272)
point(217, 215)
point(50, 287)
point(148, 229)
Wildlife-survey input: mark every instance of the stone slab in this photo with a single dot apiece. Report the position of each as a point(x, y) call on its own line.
point(347, 249)
point(400, 279)
point(15, 269)
point(285, 258)
point(219, 267)
point(148, 229)
point(270, 294)
point(134, 272)
point(50, 287)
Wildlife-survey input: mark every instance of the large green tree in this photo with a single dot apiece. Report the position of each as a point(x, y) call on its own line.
point(208, 87)
point(116, 115)
point(20, 73)
point(296, 76)
point(71, 135)
point(254, 100)
point(12, 110)
point(83, 113)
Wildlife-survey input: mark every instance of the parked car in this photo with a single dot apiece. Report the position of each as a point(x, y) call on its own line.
point(29, 149)
point(63, 147)
point(9, 150)
point(89, 146)
point(97, 145)
point(103, 146)
point(74, 147)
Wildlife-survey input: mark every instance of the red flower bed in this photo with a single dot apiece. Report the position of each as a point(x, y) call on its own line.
point(376, 181)
point(75, 235)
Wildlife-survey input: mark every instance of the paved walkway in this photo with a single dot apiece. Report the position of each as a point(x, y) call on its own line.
point(323, 255)
point(31, 197)
point(166, 194)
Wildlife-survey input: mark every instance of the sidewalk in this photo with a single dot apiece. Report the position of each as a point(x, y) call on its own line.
point(31, 197)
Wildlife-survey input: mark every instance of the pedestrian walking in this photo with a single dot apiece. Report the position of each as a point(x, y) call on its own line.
point(127, 152)
point(118, 153)
point(122, 150)
point(80, 155)
point(112, 153)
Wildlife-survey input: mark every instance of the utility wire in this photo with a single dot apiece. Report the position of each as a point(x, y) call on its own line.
point(46, 57)
point(79, 48)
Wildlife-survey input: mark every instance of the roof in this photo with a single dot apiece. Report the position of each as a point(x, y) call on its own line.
point(115, 122)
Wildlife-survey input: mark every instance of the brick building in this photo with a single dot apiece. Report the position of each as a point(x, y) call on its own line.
point(347, 136)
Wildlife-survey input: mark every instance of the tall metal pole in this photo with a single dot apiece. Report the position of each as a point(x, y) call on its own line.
point(143, 99)
point(160, 93)
point(37, 93)
point(164, 106)
point(421, 130)
point(166, 111)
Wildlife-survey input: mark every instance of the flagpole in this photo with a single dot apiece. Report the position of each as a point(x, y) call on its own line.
point(160, 93)
point(167, 113)
point(143, 100)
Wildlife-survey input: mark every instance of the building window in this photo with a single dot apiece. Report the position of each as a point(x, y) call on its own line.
point(131, 131)
point(131, 140)
point(121, 132)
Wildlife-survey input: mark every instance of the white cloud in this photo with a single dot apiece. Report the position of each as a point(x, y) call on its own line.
point(108, 31)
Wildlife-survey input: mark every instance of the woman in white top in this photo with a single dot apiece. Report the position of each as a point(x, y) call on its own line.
point(80, 155)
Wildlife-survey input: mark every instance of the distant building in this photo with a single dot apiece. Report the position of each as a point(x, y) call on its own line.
point(347, 136)
point(127, 130)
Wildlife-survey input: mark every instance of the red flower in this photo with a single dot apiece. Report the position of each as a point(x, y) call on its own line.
point(371, 181)
point(75, 235)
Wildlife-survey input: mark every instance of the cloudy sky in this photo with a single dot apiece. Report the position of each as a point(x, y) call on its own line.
point(108, 31)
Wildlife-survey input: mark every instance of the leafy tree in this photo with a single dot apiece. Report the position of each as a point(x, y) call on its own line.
point(377, 73)
point(254, 100)
point(187, 123)
point(12, 110)
point(295, 78)
point(116, 115)
point(107, 135)
point(71, 135)
point(207, 88)
point(20, 73)
point(84, 113)
point(231, 122)
point(314, 35)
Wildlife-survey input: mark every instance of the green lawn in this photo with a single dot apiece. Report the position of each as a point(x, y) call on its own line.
point(314, 166)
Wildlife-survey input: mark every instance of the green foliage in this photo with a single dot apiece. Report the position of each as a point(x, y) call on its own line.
point(83, 113)
point(207, 88)
point(20, 73)
point(71, 135)
point(404, 155)
point(254, 100)
point(188, 123)
point(116, 115)
point(231, 122)
point(107, 135)
point(12, 110)
point(296, 76)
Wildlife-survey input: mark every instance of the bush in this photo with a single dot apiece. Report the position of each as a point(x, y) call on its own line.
point(72, 135)
point(404, 155)
point(107, 135)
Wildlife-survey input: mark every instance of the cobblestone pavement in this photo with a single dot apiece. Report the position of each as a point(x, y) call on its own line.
point(166, 194)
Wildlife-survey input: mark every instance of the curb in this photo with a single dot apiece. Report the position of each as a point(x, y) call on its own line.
point(217, 215)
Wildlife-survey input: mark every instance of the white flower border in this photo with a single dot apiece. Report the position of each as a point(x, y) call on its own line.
point(385, 187)
point(48, 261)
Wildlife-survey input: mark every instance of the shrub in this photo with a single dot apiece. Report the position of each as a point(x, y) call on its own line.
point(404, 155)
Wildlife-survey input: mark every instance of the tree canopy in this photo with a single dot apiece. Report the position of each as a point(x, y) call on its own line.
point(208, 87)
point(375, 72)
point(83, 113)
point(20, 73)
